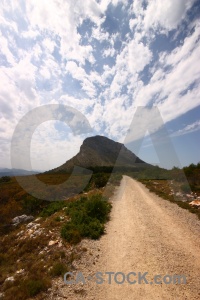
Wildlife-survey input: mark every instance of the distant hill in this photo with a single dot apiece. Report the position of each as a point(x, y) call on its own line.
point(101, 151)
point(15, 172)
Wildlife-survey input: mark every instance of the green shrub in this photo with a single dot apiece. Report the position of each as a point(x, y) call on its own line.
point(88, 216)
point(100, 179)
point(35, 286)
point(52, 208)
point(185, 188)
point(97, 207)
point(58, 269)
point(70, 233)
point(31, 205)
point(5, 179)
point(93, 229)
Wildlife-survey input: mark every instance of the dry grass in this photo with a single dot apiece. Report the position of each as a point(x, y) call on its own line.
point(19, 251)
point(163, 188)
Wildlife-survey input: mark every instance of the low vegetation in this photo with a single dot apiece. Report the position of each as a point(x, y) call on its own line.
point(66, 222)
point(52, 208)
point(5, 179)
point(87, 218)
point(162, 189)
point(29, 259)
point(34, 260)
point(179, 186)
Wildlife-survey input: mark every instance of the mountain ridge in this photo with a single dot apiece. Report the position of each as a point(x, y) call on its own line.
point(102, 152)
point(16, 172)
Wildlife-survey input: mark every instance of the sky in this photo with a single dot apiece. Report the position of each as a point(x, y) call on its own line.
point(104, 58)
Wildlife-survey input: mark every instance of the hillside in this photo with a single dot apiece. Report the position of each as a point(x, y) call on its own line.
point(101, 151)
point(42, 240)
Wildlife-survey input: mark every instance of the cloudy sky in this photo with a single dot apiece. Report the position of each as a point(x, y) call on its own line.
point(104, 58)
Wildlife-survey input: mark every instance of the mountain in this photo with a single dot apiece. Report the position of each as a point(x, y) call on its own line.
point(15, 172)
point(101, 151)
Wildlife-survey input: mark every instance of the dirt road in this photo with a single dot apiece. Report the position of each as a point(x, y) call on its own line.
point(145, 234)
point(149, 234)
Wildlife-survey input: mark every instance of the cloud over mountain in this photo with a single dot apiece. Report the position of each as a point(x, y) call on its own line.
point(103, 58)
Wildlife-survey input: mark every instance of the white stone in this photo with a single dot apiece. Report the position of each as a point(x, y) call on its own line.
point(51, 243)
point(21, 219)
point(29, 225)
point(10, 279)
point(20, 271)
point(36, 220)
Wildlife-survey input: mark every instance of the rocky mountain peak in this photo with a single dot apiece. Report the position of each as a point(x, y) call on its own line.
point(101, 151)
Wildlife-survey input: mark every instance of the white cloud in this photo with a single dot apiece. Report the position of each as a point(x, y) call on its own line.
point(108, 72)
point(167, 14)
point(95, 118)
point(157, 15)
point(43, 43)
point(80, 74)
point(170, 90)
point(183, 51)
point(133, 23)
point(109, 52)
point(187, 129)
point(44, 72)
point(62, 19)
point(134, 57)
point(49, 44)
point(139, 56)
point(5, 50)
point(18, 85)
point(79, 104)
point(51, 148)
point(99, 34)
point(105, 3)
point(137, 7)
point(24, 73)
point(129, 63)
point(76, 71)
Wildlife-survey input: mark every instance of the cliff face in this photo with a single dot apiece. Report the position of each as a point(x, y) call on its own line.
point(101, 151)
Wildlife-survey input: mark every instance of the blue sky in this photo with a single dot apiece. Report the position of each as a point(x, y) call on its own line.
point(104, 58)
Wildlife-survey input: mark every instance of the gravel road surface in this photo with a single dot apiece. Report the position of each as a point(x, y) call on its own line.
point(145, 234)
